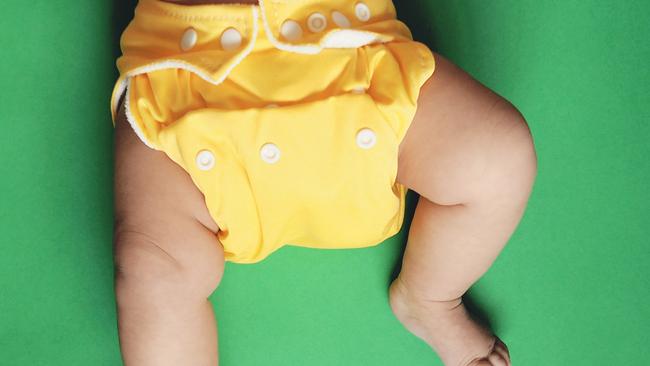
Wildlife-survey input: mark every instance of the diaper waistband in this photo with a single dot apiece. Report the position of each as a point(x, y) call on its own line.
point(210, 40)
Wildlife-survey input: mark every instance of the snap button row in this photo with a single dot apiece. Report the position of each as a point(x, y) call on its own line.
point(270, 153)
point(317, 22)
point(230, 40)
point(291, 30)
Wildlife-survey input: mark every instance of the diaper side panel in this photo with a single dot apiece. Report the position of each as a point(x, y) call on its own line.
point(397, 72)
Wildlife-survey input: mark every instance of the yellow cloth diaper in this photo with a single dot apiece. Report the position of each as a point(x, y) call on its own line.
point(287, 115)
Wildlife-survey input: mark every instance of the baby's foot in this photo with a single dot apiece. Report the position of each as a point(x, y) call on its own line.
point(448, 329)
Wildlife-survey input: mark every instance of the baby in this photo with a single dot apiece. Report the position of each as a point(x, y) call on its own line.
point(243, 127)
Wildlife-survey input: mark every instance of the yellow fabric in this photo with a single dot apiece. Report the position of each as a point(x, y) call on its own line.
point(309, 96)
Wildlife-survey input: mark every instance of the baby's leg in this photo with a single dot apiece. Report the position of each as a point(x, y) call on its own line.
point(470, 156)
point(167, 259)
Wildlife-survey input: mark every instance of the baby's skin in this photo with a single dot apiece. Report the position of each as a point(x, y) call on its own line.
point(469, 155)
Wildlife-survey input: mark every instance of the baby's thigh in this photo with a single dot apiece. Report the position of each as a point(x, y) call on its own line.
point(163, 233)
point(464, 140)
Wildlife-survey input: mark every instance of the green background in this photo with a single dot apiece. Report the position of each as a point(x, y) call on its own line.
point(571, 287)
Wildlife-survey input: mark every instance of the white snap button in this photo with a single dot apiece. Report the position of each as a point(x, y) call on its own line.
point(316, 22)
point(362, 11)
point(230, 39)
point(205, 160)
point(359, 90)
point(291, 30)
point(340, 19)
point(366, 138)
point(189, 39)
point(270, 153)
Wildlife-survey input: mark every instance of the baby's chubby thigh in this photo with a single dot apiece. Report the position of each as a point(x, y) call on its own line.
point(165, 247)
point(466, 143)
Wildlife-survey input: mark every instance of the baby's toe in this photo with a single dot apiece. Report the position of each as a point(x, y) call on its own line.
point(498, 356)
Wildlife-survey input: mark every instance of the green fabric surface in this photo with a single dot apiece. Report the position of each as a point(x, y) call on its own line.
point(571, 287)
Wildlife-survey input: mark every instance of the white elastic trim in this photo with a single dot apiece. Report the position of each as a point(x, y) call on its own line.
point(344, 38)
point(129, 115)
point(120, 89)
point(179, 64)
point(348, 38)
